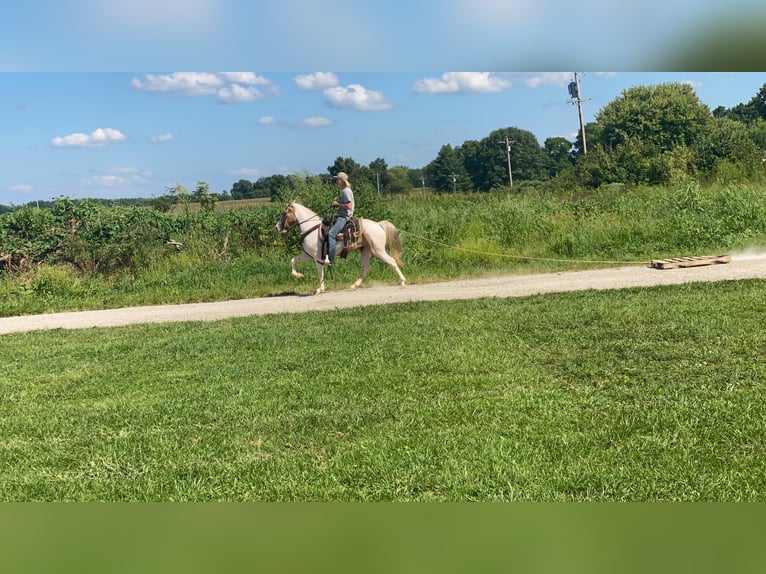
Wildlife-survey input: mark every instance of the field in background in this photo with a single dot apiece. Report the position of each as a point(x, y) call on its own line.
point(180, 209)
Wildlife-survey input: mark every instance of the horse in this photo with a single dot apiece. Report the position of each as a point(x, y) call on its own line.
point(375, 236)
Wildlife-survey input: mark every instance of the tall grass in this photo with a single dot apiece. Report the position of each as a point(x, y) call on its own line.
point(121, 257)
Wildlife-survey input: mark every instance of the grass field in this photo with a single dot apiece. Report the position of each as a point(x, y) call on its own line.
point(634, 395)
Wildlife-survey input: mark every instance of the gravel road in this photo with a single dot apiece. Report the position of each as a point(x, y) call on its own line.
point(740, 267)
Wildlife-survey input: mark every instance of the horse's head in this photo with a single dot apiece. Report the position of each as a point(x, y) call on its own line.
point(288, 219)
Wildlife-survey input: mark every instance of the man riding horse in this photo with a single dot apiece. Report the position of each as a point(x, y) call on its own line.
point(345, 205)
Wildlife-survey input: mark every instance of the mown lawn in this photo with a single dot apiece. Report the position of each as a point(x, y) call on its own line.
point(631, 395)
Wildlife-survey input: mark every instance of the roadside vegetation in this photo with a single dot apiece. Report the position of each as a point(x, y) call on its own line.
point(82, 255)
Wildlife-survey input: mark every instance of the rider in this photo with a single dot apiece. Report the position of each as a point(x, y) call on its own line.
point(345, 205)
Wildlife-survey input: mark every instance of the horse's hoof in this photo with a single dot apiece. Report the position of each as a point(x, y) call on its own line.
point(318, 291)
point(299, 276)
point(402, 284)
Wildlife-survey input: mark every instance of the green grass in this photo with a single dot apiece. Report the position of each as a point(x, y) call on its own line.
point(632, 395)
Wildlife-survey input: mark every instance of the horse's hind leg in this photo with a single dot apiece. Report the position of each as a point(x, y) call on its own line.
point(364, 256)
point(381, 254)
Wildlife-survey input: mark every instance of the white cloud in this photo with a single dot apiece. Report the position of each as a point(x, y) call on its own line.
point(317, 81)
point(22, 187)
point(235, 94)
point(249, 78)
point(267, 121)
point(453, 82)
point(227, 87)
point(180, 83)
point(98, 138)
point(105, 180)
point(533, 80)
point(162, 138)
point(357, 97)
point(316, 122)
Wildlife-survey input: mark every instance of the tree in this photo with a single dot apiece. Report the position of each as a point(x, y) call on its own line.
point(243, 189)
point(661, 117)
point(345, 164)
point(399, 180)
point(557, 155)
point(487, 160)
point(379, 169)
point(207, 201)
point(447, 172)
point(640, 128)
point(181, 195)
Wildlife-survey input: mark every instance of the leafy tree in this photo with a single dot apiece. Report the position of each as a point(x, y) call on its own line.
point(661, 117)
point(447, 172)
point(242, 189)
point(487, 160)
point(181, 195)
point(637, 130)
point(399, 180)
point(345, 164)
point(379, 171)
point(207, 201)
point(557, 154)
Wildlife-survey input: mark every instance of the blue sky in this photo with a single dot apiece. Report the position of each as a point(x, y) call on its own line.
point(119, 134)
point(95, 96)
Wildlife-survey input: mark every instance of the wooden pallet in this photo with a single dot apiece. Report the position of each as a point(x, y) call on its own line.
point(689, 261)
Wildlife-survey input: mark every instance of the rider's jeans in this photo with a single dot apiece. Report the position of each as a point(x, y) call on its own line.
point(337, 227)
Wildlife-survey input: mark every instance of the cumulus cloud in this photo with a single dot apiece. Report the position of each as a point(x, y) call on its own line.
point(249, 78)
point(162, 138)
point(453, 82)
point(98, 138)
point(235, 94)
point(105, 180)
point(180, 83)
point(267, 121)
point(317, 81)
point(316, 122)
point(356, 97)
point(22, 187)
point(226, 87)
point(536, 79)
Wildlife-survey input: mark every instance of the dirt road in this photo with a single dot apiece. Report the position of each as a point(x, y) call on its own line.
point(740, 267)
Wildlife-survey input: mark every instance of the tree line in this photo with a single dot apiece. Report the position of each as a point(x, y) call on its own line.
point(648, 135)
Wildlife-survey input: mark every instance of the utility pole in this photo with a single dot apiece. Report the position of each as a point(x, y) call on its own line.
point(377, 177)
point(574, 92)
point(454, 183)
point(508, 151)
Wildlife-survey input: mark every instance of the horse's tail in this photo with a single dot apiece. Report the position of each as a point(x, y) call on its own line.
point(393, 240)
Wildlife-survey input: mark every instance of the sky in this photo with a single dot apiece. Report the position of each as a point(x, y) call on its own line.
point(117, 134)
point(125, 98)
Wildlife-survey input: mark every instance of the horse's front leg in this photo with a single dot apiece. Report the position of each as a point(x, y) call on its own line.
point(364, 257)
point(293, 271)
point(320, 273)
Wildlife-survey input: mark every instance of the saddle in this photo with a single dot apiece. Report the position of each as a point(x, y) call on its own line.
point(350, 235)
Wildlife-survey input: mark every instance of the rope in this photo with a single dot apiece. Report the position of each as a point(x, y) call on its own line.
point(522, 256)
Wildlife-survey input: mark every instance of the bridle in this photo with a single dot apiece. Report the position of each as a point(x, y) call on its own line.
point(284, 222)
